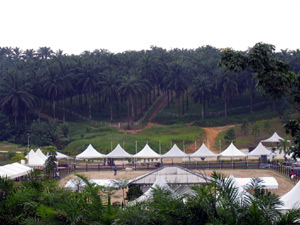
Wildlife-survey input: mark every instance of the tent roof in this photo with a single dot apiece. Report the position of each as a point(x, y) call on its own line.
point(14, 170)
point(274, 138)
point(61, 156)
point(90, 153)
point(146, 152)
point(174, 175)
point(174, 152)
point(41, 154)
point(267, 182)
point(203, 152)
point(259, 151)
point(232, 152)
point(292, 198)
point(34, 159)
point(159, 182)
point(119, 153)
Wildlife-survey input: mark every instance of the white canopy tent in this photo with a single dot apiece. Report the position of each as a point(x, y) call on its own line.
point(159, 183)
point(291, 199)
point(275, 138)
point(41, 154)
point(267, 182)
point(203, 152)
point(146, 153)
point(34, 160)
point(14, 170)
point(61, 156)
point(259, 151)
point(118, 153)
point(78, 184)
point(232, 152)
point(174, 152)
point(90, 153)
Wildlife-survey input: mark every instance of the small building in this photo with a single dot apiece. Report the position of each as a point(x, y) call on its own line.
point(173, 175)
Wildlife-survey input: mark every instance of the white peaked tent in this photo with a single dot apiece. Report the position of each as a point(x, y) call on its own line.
point(118, 153)
point(34, 160)
point(259, 151)
point(232, 152)
point(274, 138)
point(174, 152)
point(41, 154)
point(90, 153)
point(159, 183)
point(203, 152)
point(61, 156)
point(291, 199)
point(146, 153)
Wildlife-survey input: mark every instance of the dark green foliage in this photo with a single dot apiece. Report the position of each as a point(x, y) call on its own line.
point(44, 133)
point(230, 136)
point(50, 164)
point(255, 131)
point(245, 127)
point(134, 191)
point(6, 129)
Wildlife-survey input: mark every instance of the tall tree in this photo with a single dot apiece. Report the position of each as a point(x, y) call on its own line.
point(88, 78)
point(109, 83)
point(16, 95)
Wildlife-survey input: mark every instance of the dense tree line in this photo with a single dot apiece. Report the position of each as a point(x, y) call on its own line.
point(219, 202)
point(33, 79)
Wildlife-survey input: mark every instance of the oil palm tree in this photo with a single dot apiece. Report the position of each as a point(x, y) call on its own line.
point(53, 86)
point(16, 95)
point(109, 83)
point(129, 88)
point(176, 80)
point(201, 89)
point(88, 78)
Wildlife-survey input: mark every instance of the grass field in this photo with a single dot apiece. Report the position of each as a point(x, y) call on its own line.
point(104, 138)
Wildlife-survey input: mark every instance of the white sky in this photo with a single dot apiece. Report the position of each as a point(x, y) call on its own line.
point(119, 25)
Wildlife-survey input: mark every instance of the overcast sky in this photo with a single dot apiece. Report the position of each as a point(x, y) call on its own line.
point(119, 25)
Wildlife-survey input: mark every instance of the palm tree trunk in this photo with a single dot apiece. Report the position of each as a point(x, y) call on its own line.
point(64, 109)
point(178, 105)
point(71, 104)
point(132, 106)
point(187, 100)
point(251, 100)
point(53, 107)
point(135, 112)
point(128, 114)
point(90, 106)
point(225, 104)
point(111, 108)
point(150, 100)
point(146, 102)
point(168, 98)
point(183, 103)
point(202, 109)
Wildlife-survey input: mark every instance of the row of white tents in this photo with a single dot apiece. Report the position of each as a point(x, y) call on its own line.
point(38, 158)
point(203, 152)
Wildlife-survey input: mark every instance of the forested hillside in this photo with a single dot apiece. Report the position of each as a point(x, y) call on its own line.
point(105, 86)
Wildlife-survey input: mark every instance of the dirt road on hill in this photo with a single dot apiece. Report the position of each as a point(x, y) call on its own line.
point(211, 134)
